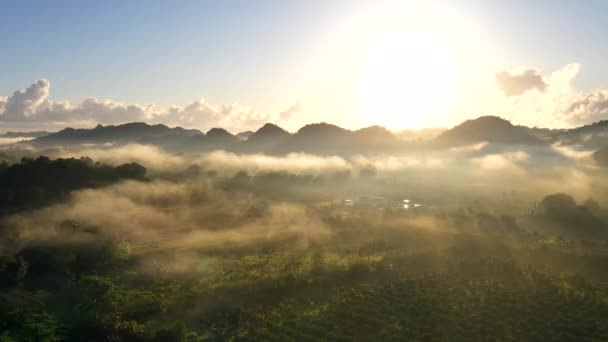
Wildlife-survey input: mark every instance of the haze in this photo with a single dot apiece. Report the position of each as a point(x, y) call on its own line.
point(303, 171)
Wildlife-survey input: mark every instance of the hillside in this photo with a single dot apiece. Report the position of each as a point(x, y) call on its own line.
point(34, 134)
point(328, 139)
point(491, 129)
point(129, 132)
point(590, 137)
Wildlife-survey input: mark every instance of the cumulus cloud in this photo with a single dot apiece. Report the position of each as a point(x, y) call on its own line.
point(201, 113)
point(517, 84)
point(589, 108)
point(23, 103)
point(559, 104)
point(32, 106)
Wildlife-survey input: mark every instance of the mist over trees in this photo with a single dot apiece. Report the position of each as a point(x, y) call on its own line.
point(333, 235)
point(33, 183)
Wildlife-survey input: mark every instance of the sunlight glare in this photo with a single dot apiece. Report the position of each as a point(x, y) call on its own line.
point(407, 79)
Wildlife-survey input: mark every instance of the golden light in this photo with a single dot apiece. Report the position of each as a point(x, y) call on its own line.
point(400, 65)
point(408, 80)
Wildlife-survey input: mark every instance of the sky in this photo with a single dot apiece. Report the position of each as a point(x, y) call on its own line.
point(239, 64)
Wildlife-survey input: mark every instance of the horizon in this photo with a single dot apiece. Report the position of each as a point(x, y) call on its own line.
point(396, 64)
point(305, 125)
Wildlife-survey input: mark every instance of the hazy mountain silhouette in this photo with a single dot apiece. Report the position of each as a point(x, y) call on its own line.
point(129, 132)
point(34, 134)
point(319, 138)
point(324, 138)
point(591, 137)
point(268, 132)
point(266, 139)
point(215, 139)
point(491, 129)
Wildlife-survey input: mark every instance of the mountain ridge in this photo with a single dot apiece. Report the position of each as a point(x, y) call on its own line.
point(320, 138)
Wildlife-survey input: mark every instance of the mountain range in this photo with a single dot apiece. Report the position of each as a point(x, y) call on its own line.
point(34, 134)
point(328, 139)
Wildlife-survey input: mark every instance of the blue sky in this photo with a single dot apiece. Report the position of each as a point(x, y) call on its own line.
point(251, 52)
point(155, 50)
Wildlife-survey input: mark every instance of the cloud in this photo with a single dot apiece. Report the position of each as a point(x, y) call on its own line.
point(180, 215)
point(502, 161)
point(151, 156)
point(201, 113)
point(558, 105)
point(590, 108)
point(303, 163)
point(9, 141)
point(513, 85)
point(287, 114)
point(23, 103)
point(3, 100)
point(32, 107)
point(300, 163)
point(572, 152)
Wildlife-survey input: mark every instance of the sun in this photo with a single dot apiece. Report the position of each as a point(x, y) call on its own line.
point(408, 79)
point(402, 65)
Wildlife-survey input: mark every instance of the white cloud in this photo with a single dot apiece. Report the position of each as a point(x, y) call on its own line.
point(3, 100)
point(31, 107)
point(201, 113)
point(23, 103)
point(558, 105)
point(593, 107)
point(502, 161)
point(524, 96)
point(517, 84)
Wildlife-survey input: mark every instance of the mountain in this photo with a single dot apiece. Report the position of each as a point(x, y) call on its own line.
point(220, 134)
point(327, 139)
point(377, 139)
point(215, 139)
point(268, 132)
point(267, 139)
point(318, 138)
point(590, 137)
point(35, 134)
point(119, 134)
point(491, 129)
point(375, 135)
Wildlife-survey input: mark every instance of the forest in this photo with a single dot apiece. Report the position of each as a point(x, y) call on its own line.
point(114, 246)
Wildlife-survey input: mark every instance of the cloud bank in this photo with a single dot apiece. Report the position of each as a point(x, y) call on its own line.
point(549, 100)
point(31, 107)
point(177, 214)
point(525, 96)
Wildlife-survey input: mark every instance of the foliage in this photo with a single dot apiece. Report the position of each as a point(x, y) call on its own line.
point(37, 182)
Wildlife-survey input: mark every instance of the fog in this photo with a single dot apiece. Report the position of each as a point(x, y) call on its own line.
point(197, 234)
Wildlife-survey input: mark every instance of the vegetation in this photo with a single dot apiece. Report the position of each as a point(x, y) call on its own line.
point(206, 256)
point(36, 182)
